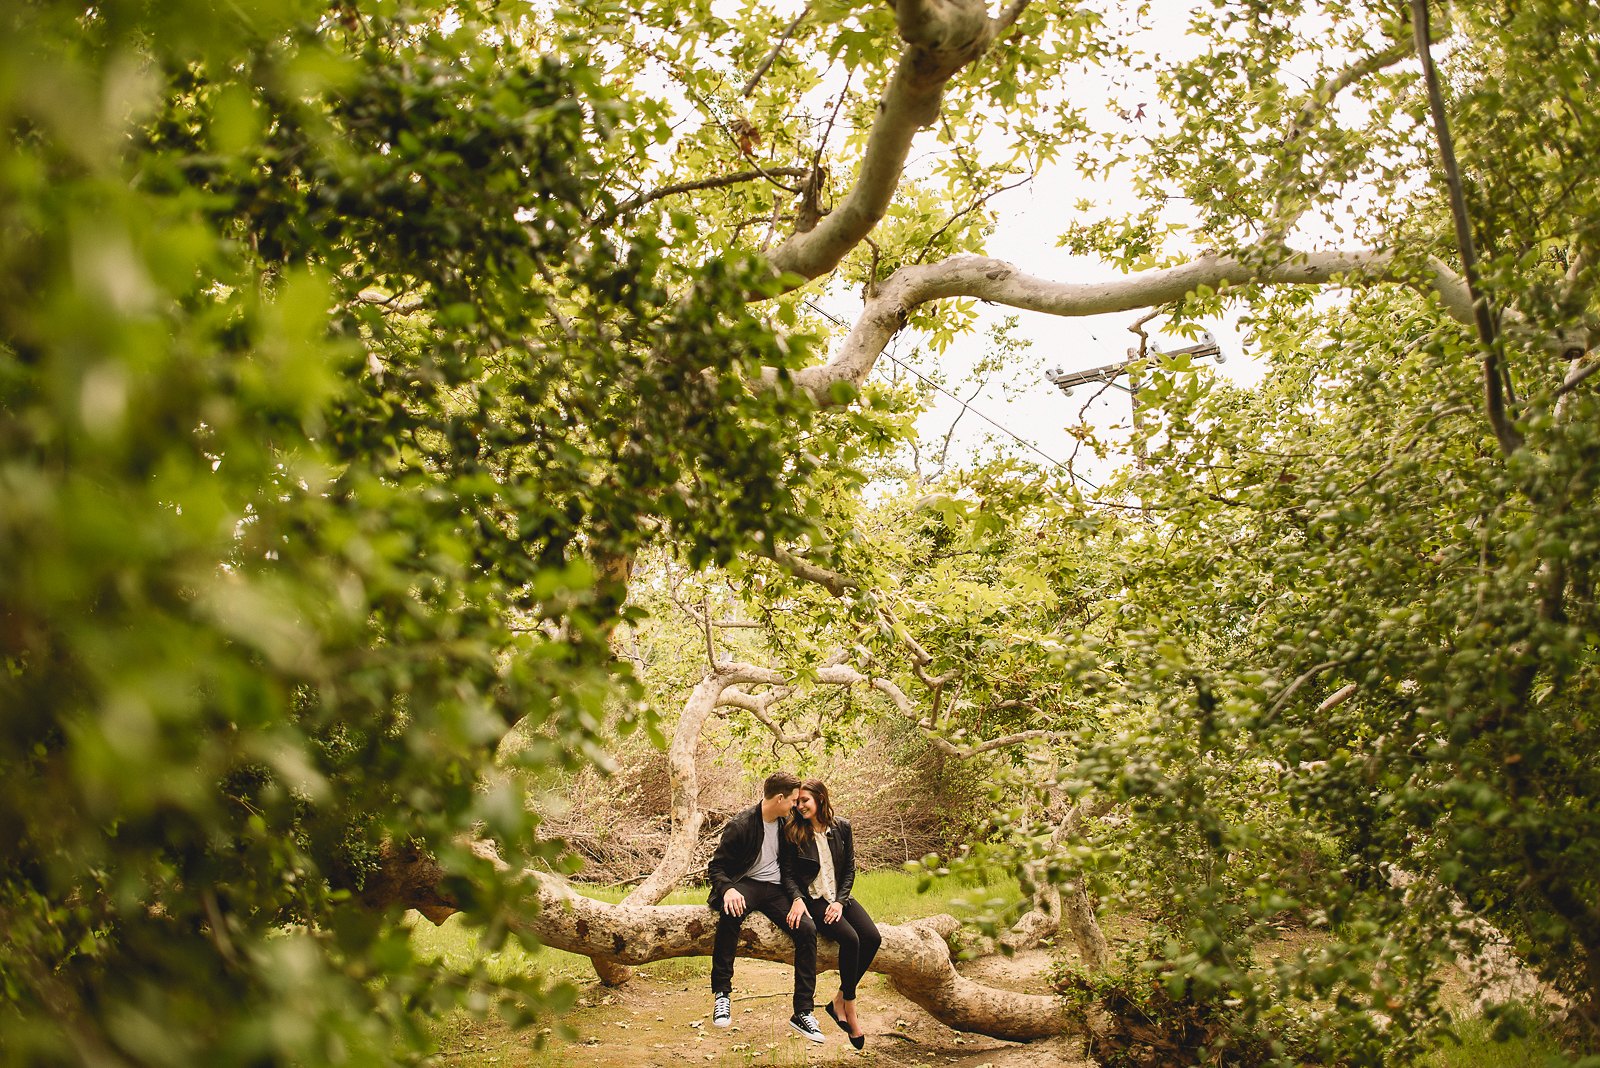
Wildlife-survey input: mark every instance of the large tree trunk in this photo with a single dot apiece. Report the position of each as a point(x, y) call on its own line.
point(914, 956)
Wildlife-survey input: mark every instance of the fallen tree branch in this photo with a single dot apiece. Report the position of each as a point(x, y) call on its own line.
point(914, 956)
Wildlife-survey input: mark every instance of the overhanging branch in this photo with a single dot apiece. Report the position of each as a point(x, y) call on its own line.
point(941, 37)
point(996, 281)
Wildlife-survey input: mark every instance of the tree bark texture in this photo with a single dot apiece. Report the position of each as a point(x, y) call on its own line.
point(687, 816)
point(914, 956)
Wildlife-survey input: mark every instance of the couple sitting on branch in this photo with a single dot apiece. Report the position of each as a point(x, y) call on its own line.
point(792, 860)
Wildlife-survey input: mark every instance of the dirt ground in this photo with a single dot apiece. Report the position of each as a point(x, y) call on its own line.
point(656, 1023)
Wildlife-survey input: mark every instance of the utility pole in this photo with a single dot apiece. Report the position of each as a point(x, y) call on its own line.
point(1108, 374)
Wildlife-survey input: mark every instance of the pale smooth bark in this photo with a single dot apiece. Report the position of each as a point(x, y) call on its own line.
point(891, 303)
point(914, 956)
point(684, 776)
point(1051, 902)
point(941, 37)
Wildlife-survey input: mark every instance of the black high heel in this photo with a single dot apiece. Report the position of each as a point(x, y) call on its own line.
point(857, 1041)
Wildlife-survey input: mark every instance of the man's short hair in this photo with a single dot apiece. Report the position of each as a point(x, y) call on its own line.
point(780, 783)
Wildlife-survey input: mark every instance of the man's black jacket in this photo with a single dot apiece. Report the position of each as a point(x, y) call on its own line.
point(737, 853)
point(800, 865)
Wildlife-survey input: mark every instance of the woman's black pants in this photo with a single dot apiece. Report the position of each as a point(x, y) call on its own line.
point(858, 941)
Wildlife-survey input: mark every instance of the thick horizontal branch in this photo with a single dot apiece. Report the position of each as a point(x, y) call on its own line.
point(999, 282)
point(914, 956)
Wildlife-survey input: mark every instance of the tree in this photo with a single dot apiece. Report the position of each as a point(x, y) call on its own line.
point(352, 357)
point(286, 566)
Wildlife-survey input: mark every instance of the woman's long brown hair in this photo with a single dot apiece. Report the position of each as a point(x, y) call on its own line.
point(799, 830)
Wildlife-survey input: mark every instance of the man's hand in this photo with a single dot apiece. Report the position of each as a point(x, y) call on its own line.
point(835, 910)
point(797, 910)
point(733, 902)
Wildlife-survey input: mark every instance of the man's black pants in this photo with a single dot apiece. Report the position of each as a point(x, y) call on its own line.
point(769, 900)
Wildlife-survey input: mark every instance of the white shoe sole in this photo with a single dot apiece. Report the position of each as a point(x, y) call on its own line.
point(818, 1037)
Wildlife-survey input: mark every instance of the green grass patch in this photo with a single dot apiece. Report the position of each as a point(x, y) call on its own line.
point(1531, 1045)
point(892, 897)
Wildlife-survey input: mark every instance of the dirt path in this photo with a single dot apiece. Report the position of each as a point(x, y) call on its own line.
point(651, 1023)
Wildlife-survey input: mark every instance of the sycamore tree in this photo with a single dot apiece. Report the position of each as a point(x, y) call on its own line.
point(352, 355)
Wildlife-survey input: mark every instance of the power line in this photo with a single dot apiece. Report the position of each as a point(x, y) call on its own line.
point(965, 407)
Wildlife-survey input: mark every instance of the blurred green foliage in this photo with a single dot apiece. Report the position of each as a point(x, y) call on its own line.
point(325, 416)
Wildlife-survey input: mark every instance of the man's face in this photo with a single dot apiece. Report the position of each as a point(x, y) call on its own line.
point(785, 803)
point(805, 804)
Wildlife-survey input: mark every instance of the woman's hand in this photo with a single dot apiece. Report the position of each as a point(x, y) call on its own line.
point(797, 910)
point(834, 911)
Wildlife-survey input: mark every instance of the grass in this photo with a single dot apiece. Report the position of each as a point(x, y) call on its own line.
point(888, 896)
point(1478, 1048)
point(476, 1042)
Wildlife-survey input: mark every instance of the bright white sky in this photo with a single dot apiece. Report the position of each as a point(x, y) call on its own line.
point(1029, 219)
point(1032, 408)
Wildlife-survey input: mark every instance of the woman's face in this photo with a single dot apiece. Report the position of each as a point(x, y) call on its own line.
point(806, 805)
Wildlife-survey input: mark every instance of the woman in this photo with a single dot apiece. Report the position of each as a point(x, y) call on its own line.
point(819, 856)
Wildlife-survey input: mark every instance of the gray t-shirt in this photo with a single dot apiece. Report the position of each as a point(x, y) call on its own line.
point(765, 869)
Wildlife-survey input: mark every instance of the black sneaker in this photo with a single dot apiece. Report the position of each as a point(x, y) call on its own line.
point(805, 1025)
point(722, 1012)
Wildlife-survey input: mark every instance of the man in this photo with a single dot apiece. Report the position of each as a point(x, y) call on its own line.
point(745, 876)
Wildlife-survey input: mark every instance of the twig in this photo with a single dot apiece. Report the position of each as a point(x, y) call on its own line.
point(927, 246)
point(772, 56)
point(1318, 101)
point(717, 182)
point(1137, 327)
point(705, 620)
point(1294, 686)
point(705, 624)
point(1008, 18)
point(218, 926)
